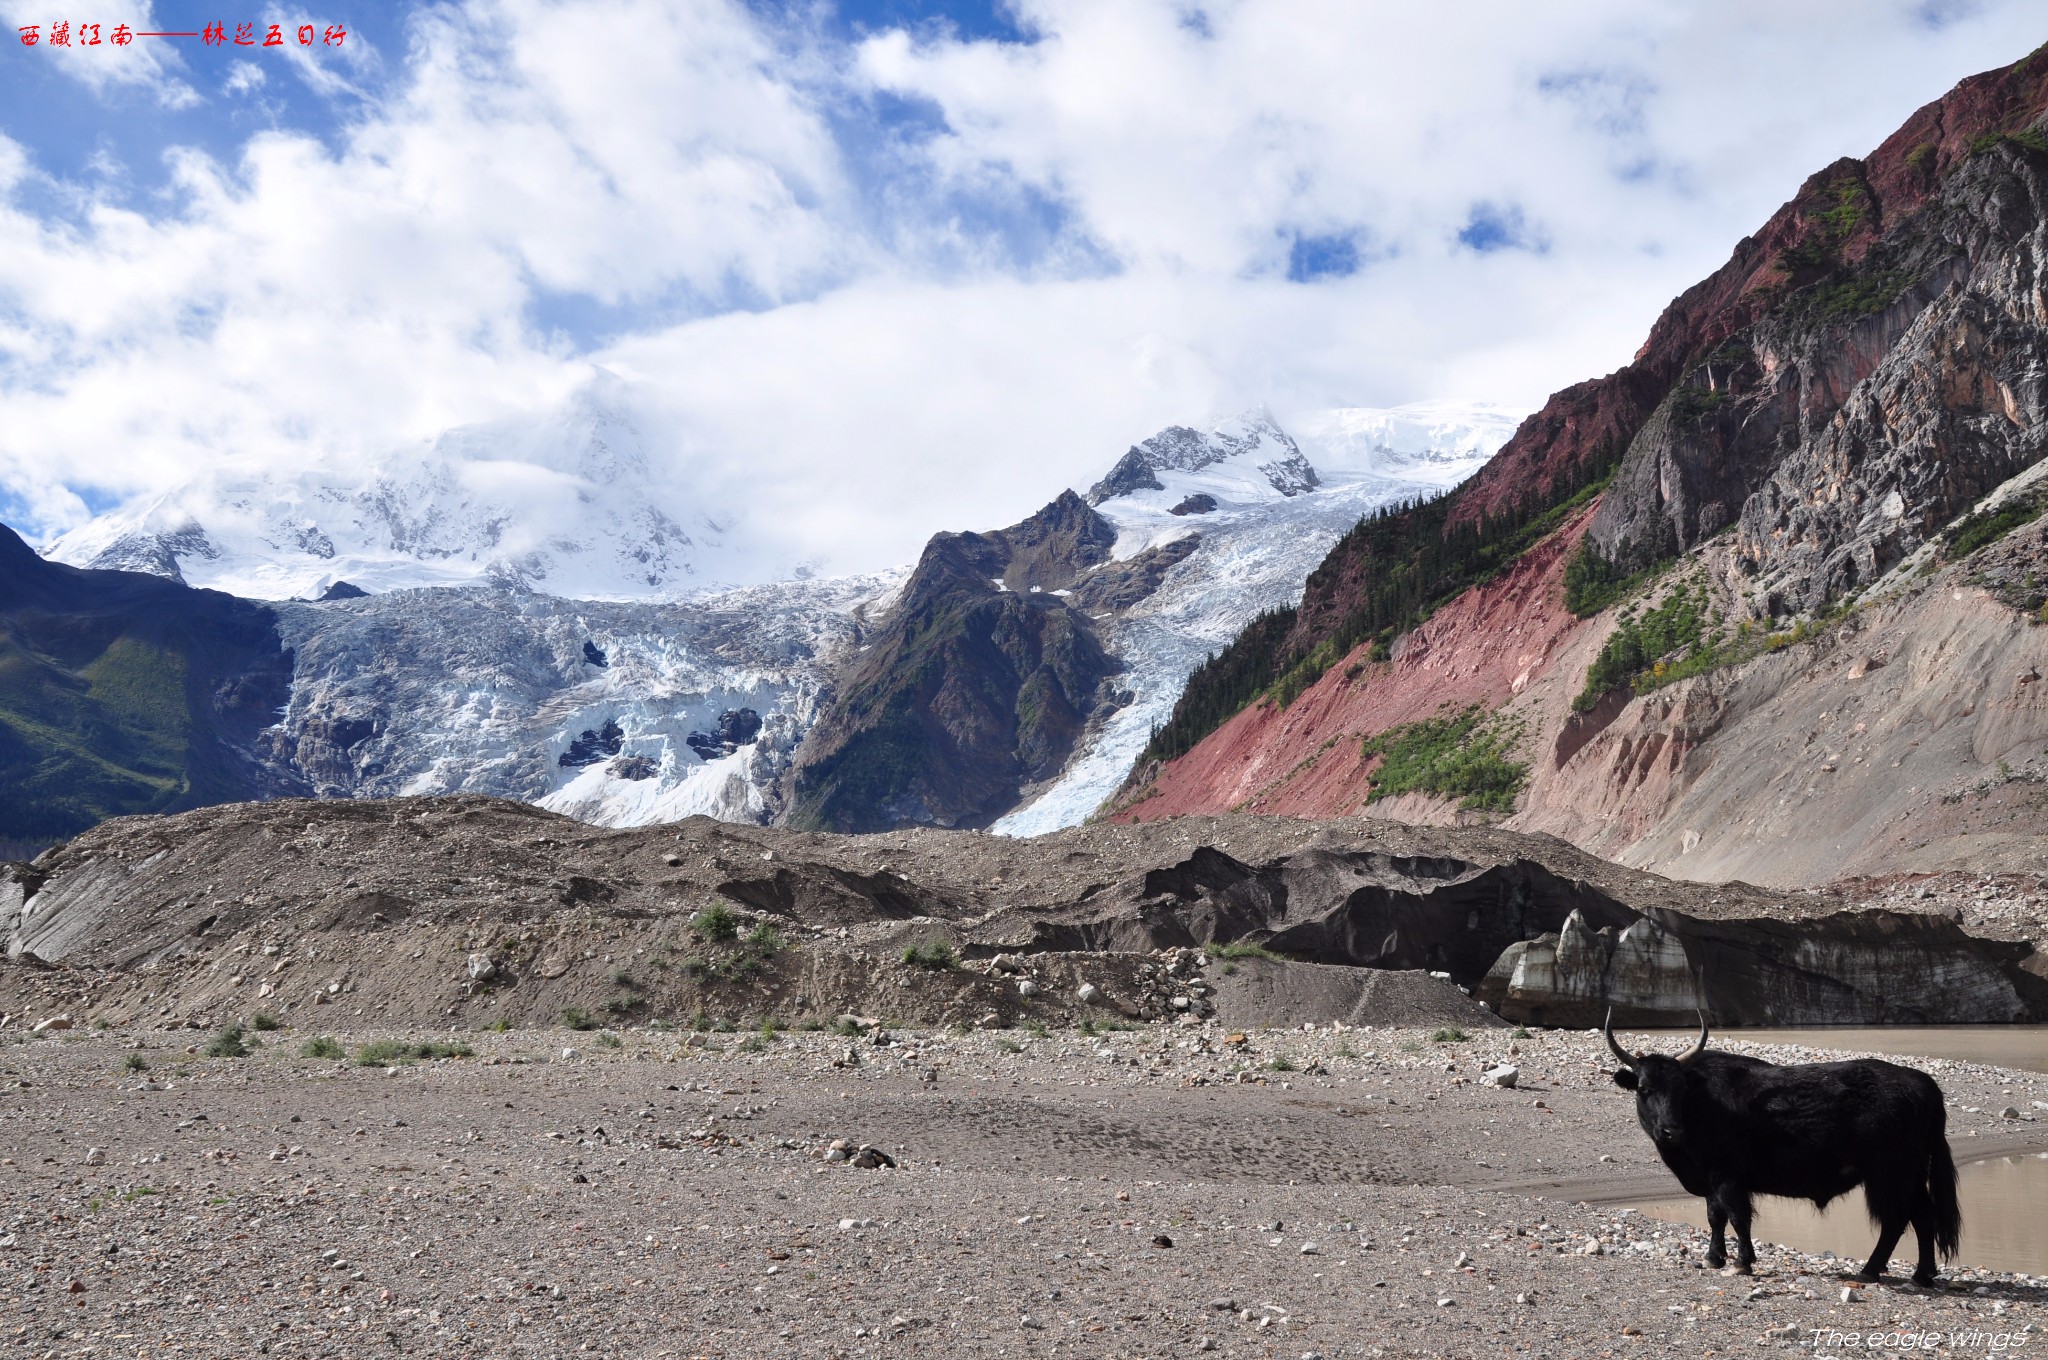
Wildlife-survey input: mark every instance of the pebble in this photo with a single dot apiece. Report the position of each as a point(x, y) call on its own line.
point(1089, 993)
point(96, 1157)
point(1503, 1076)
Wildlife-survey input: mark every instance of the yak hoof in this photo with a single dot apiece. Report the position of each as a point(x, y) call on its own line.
point(1737, 1269)
point(1924, 1279)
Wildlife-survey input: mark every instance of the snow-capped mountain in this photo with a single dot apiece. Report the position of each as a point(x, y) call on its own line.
point(1258, 541)
point(569, 504)
point(1249, 458)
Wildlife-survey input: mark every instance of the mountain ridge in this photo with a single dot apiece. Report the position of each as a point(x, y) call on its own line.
point(1783, 467)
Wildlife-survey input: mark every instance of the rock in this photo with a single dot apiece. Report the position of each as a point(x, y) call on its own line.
point(1311, 1249)
point(571, 1054)
point(1850, 1295)
point(482, 968)
point(2009, 1112)
point(1503, 1076)
point(54, 1023)
point(1088, 993)
point(1161, 1240)
point(96, 1157)
point(1027, 988)
point(870, 1158)
point(1224, 1304)
point(1592, 1248)
point(1181, 1003)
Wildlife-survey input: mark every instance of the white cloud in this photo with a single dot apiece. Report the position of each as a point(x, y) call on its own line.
point(1094, 244)
point(243, 77)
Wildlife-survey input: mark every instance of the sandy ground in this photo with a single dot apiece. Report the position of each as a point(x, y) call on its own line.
point(1154, 1192)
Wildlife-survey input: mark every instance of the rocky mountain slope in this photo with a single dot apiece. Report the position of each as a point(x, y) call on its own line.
point(1728, 610)
point(571, 504)
point(122, 693)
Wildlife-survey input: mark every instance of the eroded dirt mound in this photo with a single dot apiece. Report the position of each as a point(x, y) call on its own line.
point(473, 911)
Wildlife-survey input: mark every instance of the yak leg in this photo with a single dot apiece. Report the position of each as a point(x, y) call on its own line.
point(1923, 1228)
point(1732, 1202)
point(1717, 1229)
point(1891, 1217)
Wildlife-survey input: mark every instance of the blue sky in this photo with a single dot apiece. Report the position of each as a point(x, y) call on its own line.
point(881, 266)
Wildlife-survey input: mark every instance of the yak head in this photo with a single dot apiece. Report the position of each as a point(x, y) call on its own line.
point(1660, 1084)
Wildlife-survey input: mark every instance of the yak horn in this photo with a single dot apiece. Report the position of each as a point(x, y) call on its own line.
point(1620, 1054)
point(1700, 1046)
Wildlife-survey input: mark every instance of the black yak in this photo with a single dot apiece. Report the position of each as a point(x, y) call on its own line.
point(1731, 1127)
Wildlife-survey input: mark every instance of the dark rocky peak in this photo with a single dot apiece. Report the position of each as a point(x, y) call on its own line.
point(1133, 472)
point(1200, 503)
point(594, 655)
point(1052, 549)
point(342, 590)
point(1049, 551)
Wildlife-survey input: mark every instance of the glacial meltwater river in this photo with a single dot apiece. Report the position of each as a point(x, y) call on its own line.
point(2004, 1198)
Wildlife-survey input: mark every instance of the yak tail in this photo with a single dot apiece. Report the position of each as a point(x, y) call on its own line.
point(1941, 1190)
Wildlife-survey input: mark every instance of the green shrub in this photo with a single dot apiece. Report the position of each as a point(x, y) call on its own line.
point(1449, 1036)
point(1678, 638)
point(1464, 757)
point(265, 1024)
point(846, 1028)
point(610, 1040)
point(718, 923)
point(1976, 531)
point(136, 1063)
point(322, 1047)
point(1593, 583)
point(933, 955)
point(764, 940)
point(499, 1025)
point(1243, 949)
point(626, 1004)
point(227, 1043)
point(577, 1019)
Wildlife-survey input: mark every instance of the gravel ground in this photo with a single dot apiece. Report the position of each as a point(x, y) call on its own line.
point(1996, 906)
point(1153, 1192)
